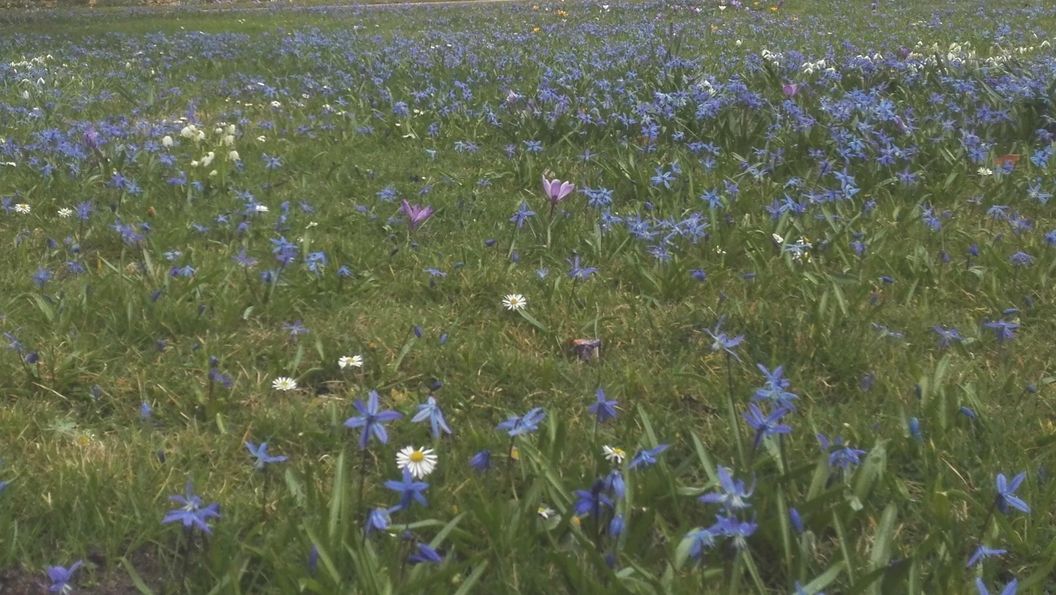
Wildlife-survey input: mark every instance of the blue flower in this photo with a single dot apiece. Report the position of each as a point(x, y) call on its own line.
point(700, 539)
point(723, 342)
point(527, 423)
point(60, 577)
point(647, 457)
point(481, 461)
point(591, 502)
point(372, 420)
point(1006, 493)
point(409, 490)
point(430, 410)
point(191, 513)
point(766, 425)
point(1010, 588)
point(1003, 329)
point(378, 519)
point(732, 494)
point(982, 553)
point(736, 529)
point(774, 386)
point(260, 453)
point(841, 456)
point(947, 335)
point(579, 272)
point(425, 554)
point(603, 409)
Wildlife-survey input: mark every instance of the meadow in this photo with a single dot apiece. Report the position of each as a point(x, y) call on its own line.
point(578, 297)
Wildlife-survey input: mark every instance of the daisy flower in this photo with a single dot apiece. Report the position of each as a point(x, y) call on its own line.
point(284, 384)
point(350, 361)
point(418, 461)
point(613, 454)
point(22, 208)
point(65, 213)
point(514, 302)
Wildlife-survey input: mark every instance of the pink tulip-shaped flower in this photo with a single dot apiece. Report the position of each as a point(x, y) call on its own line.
point(416, 214)
point(790, 89)
point(556, 191)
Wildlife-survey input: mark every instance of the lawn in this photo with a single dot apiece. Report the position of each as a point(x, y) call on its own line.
point(682, 298)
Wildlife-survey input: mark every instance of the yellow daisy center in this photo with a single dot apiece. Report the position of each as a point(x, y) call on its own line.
point(417, 456)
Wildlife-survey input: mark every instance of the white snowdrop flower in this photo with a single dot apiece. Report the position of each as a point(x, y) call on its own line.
point(208, 159)
point(262, 139)
point(229, 140)
point(233, 156)
point(166, 141)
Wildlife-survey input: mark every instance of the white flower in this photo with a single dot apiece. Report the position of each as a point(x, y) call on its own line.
point(261, 208)
point(65, 213)
point(262, 139)
point(545, 512)
point(514, 302)
point(22, 208)
point(276, 104)
point(189, 131)
point(166, 141)
point(350, 361)
point(985, 171)
point(613, 455)
point(284, 384)
point(208, 159)
point(233, 156)
point(419, 461)
point(229, 140)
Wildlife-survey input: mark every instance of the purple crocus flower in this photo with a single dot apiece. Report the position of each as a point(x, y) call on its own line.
point(416, 214)
point(556, 191)
point(790, 89)
point(372, 420)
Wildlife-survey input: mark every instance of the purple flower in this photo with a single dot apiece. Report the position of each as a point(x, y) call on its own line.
point(647, 457)
point(1003, 329)
point(732, 494)
point(425, 554)
point(982, 553)
point(790, 89)
point(409, 490)
point(1006, 493)
point(1010, 588)
point(481, 461)
point(372, 420)
point(841, 456)
point(525, 424)
point(556, 191)
point(603, 409)
point(60, 577)
point(416, 215)
point(430, 410)
point(260, 453)
point(766, 425)
point(191, 513)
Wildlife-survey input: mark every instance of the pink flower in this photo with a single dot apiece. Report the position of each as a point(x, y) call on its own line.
point(416, 214)
point(556, 190)
point(790, 89)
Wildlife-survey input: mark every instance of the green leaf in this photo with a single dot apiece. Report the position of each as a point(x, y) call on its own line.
point(467, 586)
point(824, 579)
point(880, 553)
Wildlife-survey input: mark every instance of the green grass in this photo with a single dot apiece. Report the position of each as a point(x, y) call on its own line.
point(90, 479)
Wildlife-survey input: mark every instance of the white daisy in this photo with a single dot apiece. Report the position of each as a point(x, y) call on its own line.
point(419, 461)
point(350, 361)
point(65, 213)
point(22, 208)
point(985, 171)
point(613, 454)
point(514, 302)
point(284, 384)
